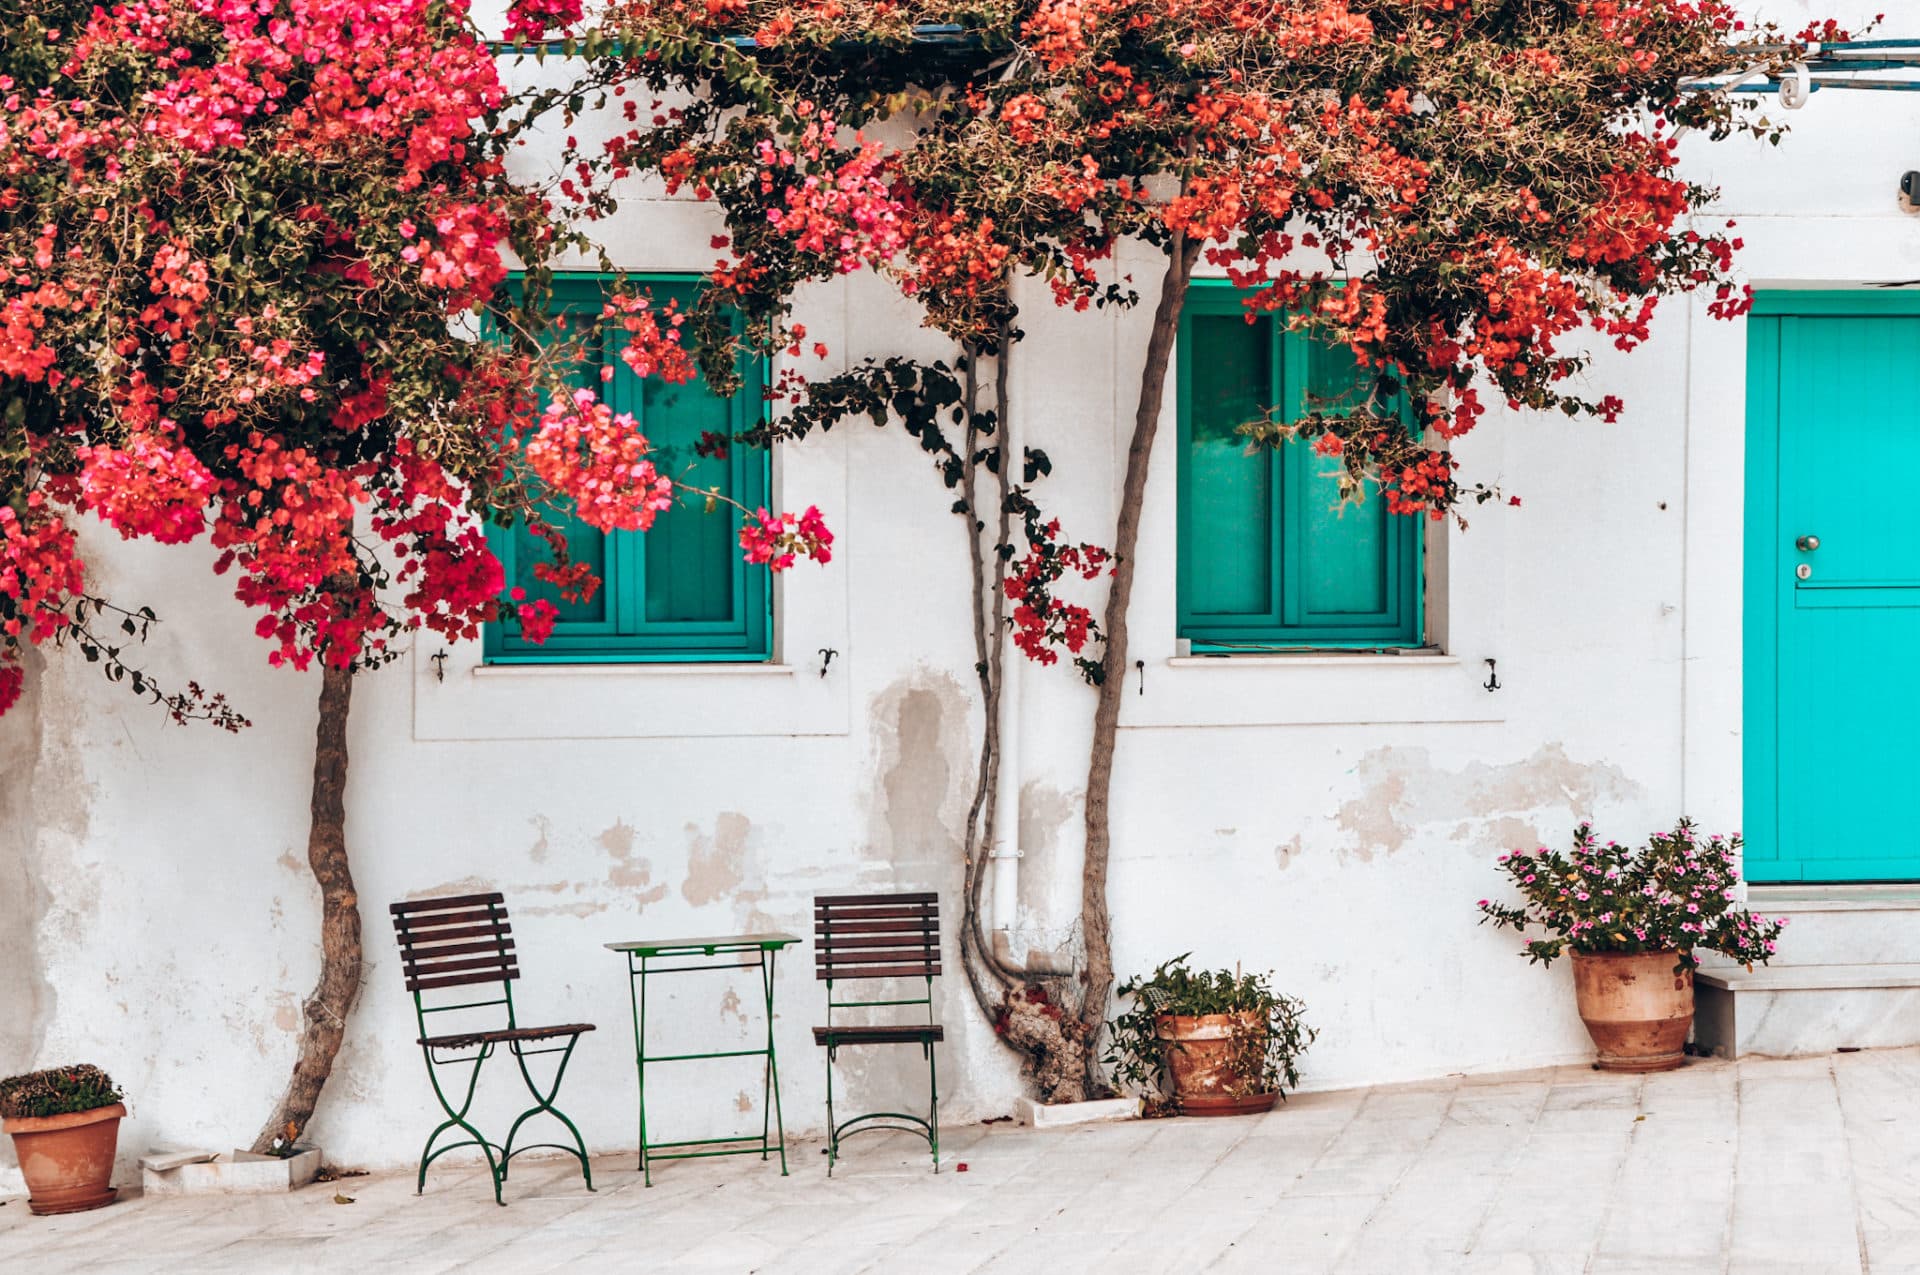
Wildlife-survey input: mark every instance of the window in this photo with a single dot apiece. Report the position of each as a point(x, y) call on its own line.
point(1268, 555)
point(680, 591)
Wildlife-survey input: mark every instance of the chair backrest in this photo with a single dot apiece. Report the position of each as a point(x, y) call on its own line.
point(454, 942)
point(876, 936)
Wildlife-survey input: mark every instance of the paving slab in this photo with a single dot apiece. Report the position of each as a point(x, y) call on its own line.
point(1729, 1167)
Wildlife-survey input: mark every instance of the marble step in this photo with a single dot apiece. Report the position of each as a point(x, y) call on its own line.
point(1845, 924)
point(1788, 1009)
point(1811, 978)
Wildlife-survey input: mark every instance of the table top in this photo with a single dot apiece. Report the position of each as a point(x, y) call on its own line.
point(708, 945)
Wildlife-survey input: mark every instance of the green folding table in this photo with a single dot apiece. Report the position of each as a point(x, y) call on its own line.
point(654, 958)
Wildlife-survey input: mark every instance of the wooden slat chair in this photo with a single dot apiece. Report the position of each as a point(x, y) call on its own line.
point(465, 941)
point(879, 936)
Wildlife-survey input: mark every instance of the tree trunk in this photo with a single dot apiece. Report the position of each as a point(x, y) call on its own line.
point(1096, 923)
point(333, 996)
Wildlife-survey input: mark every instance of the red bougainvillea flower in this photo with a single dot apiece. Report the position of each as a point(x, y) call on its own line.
point(1043, 622)
point(40, 572)
point(835, 205)
point(653, 345)
point(531, 20)
point(12, 679)
point(536, 619)
point(461, 253)
point(148, 488)
point(597, 460)
point(781, 540)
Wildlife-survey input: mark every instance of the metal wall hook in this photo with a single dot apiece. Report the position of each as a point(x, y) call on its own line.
point(826, 657)
point(1140, 667)
point(439, 661)
point(1493, 676)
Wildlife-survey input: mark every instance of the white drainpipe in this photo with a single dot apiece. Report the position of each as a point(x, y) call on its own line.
point(1006, 825)
point(1006, 851)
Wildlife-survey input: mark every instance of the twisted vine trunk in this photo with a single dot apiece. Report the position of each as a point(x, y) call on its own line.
point(1096, 920)
point(1022, 1004)
point(333, 995)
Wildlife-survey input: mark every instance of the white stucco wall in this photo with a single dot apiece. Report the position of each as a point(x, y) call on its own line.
point(1331, 819)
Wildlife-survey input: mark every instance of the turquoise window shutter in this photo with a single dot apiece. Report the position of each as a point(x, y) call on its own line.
point(679, 592)
point(1269, 556)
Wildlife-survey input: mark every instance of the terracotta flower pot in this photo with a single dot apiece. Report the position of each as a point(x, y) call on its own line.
point(1636, 1008)
point(67, 1159)
point(1199, 1049)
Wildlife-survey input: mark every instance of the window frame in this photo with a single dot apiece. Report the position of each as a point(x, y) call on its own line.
point(626, 636)
point(1286, 625)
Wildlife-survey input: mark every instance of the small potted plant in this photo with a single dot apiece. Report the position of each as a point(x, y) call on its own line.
point(65, 1125)
point(1634, 919)
point(1229, 1043)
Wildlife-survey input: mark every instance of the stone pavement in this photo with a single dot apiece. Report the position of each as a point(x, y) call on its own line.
point(1801, 1165)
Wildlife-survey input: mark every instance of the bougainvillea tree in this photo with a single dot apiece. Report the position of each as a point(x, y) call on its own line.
point(803, 198)
point(1469, 194)
point(243, 246)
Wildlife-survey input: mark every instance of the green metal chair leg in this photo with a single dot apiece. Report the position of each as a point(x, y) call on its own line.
point(458, 1119)
point(833, 1130)
point(495, 1171)
point(933, 1126)
point(544, 1103)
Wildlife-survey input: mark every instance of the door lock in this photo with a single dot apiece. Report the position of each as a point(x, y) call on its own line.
point(1803, 572)
point(1807, 544)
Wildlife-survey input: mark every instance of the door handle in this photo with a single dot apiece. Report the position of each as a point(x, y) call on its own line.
point(1807, 544)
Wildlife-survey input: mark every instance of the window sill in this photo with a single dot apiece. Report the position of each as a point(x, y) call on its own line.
point(560, 668)
point(1310, 688)
point(1314, 659)
point(477, 701)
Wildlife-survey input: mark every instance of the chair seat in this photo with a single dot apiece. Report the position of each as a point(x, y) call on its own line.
point(505, 1035)
point(884, 1034)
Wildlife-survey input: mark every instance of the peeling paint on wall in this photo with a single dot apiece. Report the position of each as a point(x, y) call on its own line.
point(921, 741)
point(1045, 812)
point(63, 796)
point(728, 865)
point(628, 879)
point(49, 891)
point(629, 874)
point(618, 840)
point(464, 885)
point(923, 770)
point(717, 864)
point(1402, 790)
point(286, 1008)
point(1512, 833)
point(27, 995)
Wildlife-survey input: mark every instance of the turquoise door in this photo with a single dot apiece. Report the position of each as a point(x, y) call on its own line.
point(1833, 588)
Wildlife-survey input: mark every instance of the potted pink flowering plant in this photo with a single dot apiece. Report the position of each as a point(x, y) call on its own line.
point(1634, 919)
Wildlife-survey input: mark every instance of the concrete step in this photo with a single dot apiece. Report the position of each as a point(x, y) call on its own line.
point(1847, 976)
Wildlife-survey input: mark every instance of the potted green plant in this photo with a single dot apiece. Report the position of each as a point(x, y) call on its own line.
point(1634, 919)
point(65, 1125)
point(1228, 1043)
